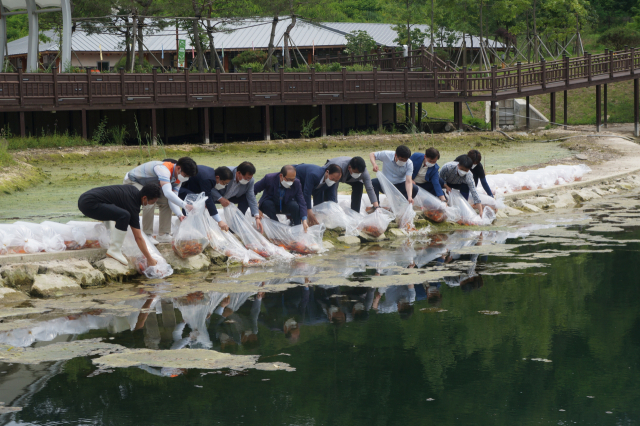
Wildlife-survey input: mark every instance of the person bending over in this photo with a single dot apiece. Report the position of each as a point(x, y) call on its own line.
point(397, 168)
point(426, 176)
point(282, 194)
point(121, 204)
point(207, 180)
point(478, 171)
point(455, 175)
point(355, 174)
point(319, 182)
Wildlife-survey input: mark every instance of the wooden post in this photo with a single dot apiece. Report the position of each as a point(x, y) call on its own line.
point(380, 118)
point(543, 68)
point(455, 112)
point(413, 113)
point(493, 115)
point(632, 61)
point(589, 73)
point(23, 130)
point(566, 70)
point(395, 113)
point(313, 83)
point(205, 116)
point(552, 99)
point(218, 84)
point(224, 124)
point(406, 113)
point(393, 59)
point(154, 131)
point(519, 76)
point(165, 127)
point(636, 100)
point(342, 123)
point(419, 120)
point(266, 123)
point(435, 82)
point(611, 64)
point(286, 121)
point(494, 81)
point(528, 113)
point(355, 116)
point(566, 102)
point(406, 83)
point(464, 82)
point(598, 108)
point(375, 83)
point(605, 107)
point(344, 83)
point(155, 85)
point(323, 112)
point(250, 83)
point(84, 124)
point(20, 87)
point(186, 85)
point(89, 94)
point(458, 109)
point(122, 87)
point(54, 71)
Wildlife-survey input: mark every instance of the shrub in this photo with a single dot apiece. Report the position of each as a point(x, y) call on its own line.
point(255, 67)
point(617, 38)
point(249, 56)
point(359, 42)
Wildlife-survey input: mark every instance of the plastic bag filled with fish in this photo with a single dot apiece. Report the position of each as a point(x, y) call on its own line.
point(227, 244)
point(468, 215)
point(294, 238)
point(96, 234)
point(495, 203)
point(430, 205)
point(331, 215)
point(353, 221)
point(401, 208)
point(252, 239)
point(73, 236)
point(376, 223)
point(191, 238)
point(20, 240)
point(52, 242)
point(132, 252)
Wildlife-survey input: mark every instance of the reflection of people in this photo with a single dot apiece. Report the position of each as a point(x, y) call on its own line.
point(425, 172)
point(455, 175)
point(282, 194)
point(399, 298)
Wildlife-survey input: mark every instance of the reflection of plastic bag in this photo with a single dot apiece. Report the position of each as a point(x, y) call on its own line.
point(96, 234)
point(20, 240)
point(293, 237)
point(132, 252)
point(191, 238)
point(73, 236)
point(402, 209)
point(331, 215)
point(52, 242)
point(227, 244)
point(376, 223)
point(468, 215)
point(251, 238)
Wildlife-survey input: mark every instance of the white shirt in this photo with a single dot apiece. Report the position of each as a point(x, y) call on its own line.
point(422, 173)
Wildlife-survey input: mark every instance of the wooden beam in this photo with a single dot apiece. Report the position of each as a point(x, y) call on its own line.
point(598, 108)
point(266, 123)
point(636, 100)
point(492, 113)
point(84, 124)
point(23, 131)
point(528, 114)
point(224, 124)
point(355, 117)
point(604, 116)
point(165, 126)
point(205, 117)
point(419, 118)
point(343, 128)
point(566, 102)
point(323, 113)
point(286, 115)
point(413, 113)
point(457, 109)
point(154, 131)
point(552, 101)
point(380, 127)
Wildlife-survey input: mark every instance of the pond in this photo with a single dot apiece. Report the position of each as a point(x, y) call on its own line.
point(535, 324)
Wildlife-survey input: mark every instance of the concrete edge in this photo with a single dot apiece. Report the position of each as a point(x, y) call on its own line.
point(91, 255)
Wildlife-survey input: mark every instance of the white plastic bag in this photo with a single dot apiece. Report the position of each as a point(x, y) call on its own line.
point(294, 238)
point(52, 242)
point(191, 238)
point(251, 238)
point(494, 203)
point(433, 209)
point(353, 219)
point(4, 241)
point(73, 236)
point(332, 215)
point(132, 252)
point(402, 209)
point(20, 240)
point(227, 244)
point(96, 234)
point(468, 215)
point(376, 223)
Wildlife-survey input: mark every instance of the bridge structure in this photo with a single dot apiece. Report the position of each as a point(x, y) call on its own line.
point(398, 81)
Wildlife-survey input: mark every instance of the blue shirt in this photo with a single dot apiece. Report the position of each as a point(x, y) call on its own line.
point(396, 174)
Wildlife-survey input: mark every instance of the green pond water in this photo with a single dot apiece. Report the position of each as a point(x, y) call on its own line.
point(558, 344)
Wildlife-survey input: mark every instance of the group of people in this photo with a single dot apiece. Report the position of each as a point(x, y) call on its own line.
point(292, 192)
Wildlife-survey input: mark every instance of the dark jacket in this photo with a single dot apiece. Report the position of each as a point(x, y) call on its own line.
point(432, 176)
point(270, 185)
point(204, 181)
point(310, 176)
point(478, 175)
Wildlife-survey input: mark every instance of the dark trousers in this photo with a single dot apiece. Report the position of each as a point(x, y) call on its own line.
point(427, 186)
point(241, 201)
point(356, 195)
point(321, 195)
point(103, 212)
point(462, 187)
point(291, 209)
point(400, 186)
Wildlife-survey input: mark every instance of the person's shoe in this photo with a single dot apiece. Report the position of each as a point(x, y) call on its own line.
point(164, 238)
point(153, 239)
point(115, 246)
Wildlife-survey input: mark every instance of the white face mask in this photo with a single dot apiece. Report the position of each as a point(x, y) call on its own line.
point(428, 164)
point(462, 172)
point(474, 166)
point(400, 163)
point(329, 182)
point(148, 206)
point(219, 186)
point(286, 184)
point(243, 182)
point(356, 175)
point(184, 178)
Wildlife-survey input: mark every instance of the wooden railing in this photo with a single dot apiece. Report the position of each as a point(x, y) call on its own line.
point(51, 91)
point(389, 61)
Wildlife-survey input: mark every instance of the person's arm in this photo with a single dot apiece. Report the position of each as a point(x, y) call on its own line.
point(372, 158)
point(437, 187)
point(366, 179)
point(408, 185)
point(333, 196)
point(485, 185)
point(253, 205)
point(260, 186)
point(173, 198)
point(303, 205)
point(474, 193)
point(142, 245)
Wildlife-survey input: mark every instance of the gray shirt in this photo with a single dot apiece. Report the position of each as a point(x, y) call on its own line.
point(343, 163)
point(236, 189)
point(449, 174)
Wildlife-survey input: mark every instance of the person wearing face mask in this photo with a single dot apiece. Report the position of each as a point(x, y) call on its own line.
point(282, 194)
point(240, 191)
point(398, 168)
point(120, 204)
point(170, 174)
point(208, 180)
point(455, 175)
point(478, 171)
point(354, 174)
point(426, 176)
point(319, 182)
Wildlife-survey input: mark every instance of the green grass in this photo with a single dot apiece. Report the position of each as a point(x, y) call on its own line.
point(48, 141)
point(6, 159)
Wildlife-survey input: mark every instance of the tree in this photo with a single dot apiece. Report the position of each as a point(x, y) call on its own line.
point(359, 42)
point(409, 13)
point(618, 37)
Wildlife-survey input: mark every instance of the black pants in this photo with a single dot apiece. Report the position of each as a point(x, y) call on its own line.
point(400, 186)
point(356, 195)
point(428, 186)
point(291, 209)
point(241, 201)
point(321, 195)
point(462, 187)
point(103, 212)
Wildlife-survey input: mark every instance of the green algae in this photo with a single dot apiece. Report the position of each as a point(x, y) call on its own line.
point(56, 351)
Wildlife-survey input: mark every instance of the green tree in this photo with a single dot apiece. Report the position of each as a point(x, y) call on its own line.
point(359, 42)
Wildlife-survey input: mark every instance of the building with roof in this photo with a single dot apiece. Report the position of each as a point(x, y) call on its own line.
point(104, 50)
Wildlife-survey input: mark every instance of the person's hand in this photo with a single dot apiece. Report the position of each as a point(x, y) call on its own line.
point(312, 218)
point(260, 295)
point(224, 202)
point(479, 207)
point(375, 168)
point(410, 199)
point(188, 207)
point(225, 301)
point(182, 218)
point(447, 188)
point(259, 224)
point(443, 198)
point(305, 225)
point(261, 214)
point(151, 262)
point(223, 225)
